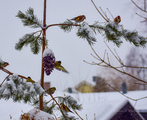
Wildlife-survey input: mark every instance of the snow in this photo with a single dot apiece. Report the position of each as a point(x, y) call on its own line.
point(6, 92)
point(117, 26)
point(39, 115)
point(47, 51)
point(103, 104)
point(65, 48)
point(88, 30)
point(1, 61)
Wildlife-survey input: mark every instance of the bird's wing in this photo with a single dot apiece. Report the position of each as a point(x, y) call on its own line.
point(61, 68)
point(75, 18)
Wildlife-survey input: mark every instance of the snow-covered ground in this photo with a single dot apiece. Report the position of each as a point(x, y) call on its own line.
point(103, 104)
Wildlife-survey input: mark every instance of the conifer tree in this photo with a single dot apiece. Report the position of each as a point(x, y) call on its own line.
point(19, 89)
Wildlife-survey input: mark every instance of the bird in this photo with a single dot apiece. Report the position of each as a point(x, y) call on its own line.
point(59, 67)
point(30, 80)
point(79, 18)
point(65, 108)
point(117, 19)
point(51, 90)
point(4, 64)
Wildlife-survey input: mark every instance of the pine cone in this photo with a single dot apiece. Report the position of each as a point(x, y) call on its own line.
point(48, 63)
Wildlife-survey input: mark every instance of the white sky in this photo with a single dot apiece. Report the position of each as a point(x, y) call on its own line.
point(67, 47)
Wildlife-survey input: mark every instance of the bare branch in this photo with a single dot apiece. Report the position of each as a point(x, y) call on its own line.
point(125, 95)
point(99, 11)
point(138, 6)
point(109, 65)
point(141, 16)
point(104, 14)
point(4, 80)
point(110, 14)
point(56, 104)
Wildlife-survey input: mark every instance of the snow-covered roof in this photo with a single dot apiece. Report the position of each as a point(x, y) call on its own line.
point(104, 104)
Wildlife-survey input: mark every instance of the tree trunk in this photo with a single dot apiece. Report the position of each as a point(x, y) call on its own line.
point(43, 48)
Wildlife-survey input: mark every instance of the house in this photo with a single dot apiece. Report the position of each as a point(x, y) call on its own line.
point(96, 106)
point(127, 112)
point(84, 87)
point(113, 106)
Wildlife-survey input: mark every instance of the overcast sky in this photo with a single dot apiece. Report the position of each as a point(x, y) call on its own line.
point(67, 47)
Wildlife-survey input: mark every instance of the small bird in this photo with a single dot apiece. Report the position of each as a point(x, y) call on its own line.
point(117, 19)
point(65, 108)
point(30, 80)
point(51, 90)
point(4, 64)
point(59, 67)
point(79, 18)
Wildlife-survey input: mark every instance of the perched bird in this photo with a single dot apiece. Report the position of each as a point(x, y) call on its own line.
point(30, 80)
point(59, 67)
point(4, 64)
point(79, 18)
point(65, 108)
point(51, 90)
point(117, 19)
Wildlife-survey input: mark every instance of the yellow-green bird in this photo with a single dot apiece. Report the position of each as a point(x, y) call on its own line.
point(4, 64)
point(51, 90)
point(59, 67)
point(65, 108)
point(30, 80)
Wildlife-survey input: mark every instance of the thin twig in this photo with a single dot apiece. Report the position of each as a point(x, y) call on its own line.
point(111, 51)
point(141, 16)
point(126, 95)
point(108, 58)
point(104, 14)
point(110, 13)
point(119, 59)
point(145, 5)
point(56, 104)
point(53, 98)
point(140, 83)
point(99, 11)
point(138, 6)
point(108, 65)
point(78, 115)
point(4, 80)
point(104, 55)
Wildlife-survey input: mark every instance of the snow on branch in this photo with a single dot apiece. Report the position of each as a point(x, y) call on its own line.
point(115, 32)
point(34, 40)
point(29, 19)
point(85, 32)
point(18, 89)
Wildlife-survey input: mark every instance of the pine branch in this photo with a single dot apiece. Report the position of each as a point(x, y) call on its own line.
point(85, 32)
point(20, 90)
point(66, 26)
point(29, 19)
point(114, 32)
point(134, 38)
point(35, 42)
